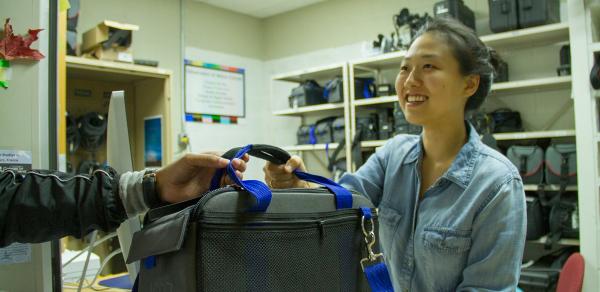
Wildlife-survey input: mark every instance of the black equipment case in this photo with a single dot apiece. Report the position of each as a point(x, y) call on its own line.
point(324, 130)
point(538, 12)
point(306, 135)
point(334, 90)
point(455, 9)
point(301, 240)
point(307, 93)
point(503, 15)
point(339, 127)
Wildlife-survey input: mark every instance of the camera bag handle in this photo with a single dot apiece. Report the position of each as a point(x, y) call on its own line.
point(260, 191)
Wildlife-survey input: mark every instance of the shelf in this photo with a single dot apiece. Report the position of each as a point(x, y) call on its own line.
point(312, 147)
point(548, 188)
point(375, 100)
point(309, 109)
point(595, 47)
point(563, 241)
point(511, 87)
point(502, 136)
point(534, 135)
point(383, 61)
point(533, 36)
point(85, 68)
point(320, 72)
point(548, 83)
point(372, 144)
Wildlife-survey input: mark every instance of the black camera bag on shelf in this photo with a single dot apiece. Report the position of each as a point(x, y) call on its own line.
point(339, 129)
point(563, 219)
point(543, 274)
point(529, 160)
point(455, 9)
point(252, 238)
point(307, 93)
point(506, 121)
point(565, 61)
point(561, 165)
point(324, 130)
point(385, 123)
point(503, 15)
point(385, 89)
point(333, 90)
point(537, 223)
point(401, 125)
point(368, 125)
point(306, 135)
point(364, 87)
point(538, 12)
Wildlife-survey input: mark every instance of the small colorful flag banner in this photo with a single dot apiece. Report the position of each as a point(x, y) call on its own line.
point(211, 119)
point(5, 73)
point(214, 66)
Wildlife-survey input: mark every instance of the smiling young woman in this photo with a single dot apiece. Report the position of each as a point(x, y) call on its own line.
point(451, 210)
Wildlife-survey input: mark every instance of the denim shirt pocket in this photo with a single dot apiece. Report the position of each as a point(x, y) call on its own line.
point(389, 223)
point(445, 240)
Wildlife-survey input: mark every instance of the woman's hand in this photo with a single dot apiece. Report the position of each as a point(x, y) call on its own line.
point(281, 176)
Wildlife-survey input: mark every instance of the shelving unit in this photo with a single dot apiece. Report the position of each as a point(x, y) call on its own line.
point(326, 72)
point(563, 241)
point(534, 36)
point(548, 188)
point(311, 147)
point(520, 86)
point(147, 93)
point(500, 137)
point(310, 109)
point(583, 20)
point(534, 135)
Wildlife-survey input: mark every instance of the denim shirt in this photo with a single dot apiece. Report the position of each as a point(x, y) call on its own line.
point(467, 233)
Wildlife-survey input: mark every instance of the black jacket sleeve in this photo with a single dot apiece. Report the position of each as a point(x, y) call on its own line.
point(37, 206)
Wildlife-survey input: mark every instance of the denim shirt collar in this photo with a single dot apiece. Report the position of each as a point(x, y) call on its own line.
point(461, 169)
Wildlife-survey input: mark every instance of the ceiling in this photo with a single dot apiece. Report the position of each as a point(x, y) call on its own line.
point(260, 8)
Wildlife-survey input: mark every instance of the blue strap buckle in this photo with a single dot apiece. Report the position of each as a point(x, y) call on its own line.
point(373, 265)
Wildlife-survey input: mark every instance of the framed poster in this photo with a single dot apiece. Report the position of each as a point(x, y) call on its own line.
point(153, 141)
point(214, 90)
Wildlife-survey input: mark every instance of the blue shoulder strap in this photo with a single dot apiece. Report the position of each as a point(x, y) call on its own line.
point(261, 192)
point(373, 265)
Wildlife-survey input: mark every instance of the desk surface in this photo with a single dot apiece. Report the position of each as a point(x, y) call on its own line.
point(68, 287)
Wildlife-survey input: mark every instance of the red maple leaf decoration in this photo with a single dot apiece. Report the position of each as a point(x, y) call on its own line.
point(16, 46)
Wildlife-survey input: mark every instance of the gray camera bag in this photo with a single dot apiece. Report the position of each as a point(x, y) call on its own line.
point(301, 242)
point(529, 160)
point(561, 161)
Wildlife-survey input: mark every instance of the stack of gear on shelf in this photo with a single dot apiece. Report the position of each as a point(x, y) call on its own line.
point(542, 273)
point(88, 132)
point(508, 15)
point(406, 26)
point(309, 92)
point(551, 210)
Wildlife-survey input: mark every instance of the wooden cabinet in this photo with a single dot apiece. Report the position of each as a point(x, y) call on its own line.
point(147, 94)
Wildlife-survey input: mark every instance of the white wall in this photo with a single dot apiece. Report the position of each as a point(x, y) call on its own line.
point(206, 27)
point(23, 126)
point(250, 129)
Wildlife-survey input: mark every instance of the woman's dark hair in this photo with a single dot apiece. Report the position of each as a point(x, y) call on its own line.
point(473, 56)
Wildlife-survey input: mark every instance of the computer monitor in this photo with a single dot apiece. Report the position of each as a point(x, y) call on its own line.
point(118, 152)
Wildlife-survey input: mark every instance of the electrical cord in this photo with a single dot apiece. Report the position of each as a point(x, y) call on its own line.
point(94, 243)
